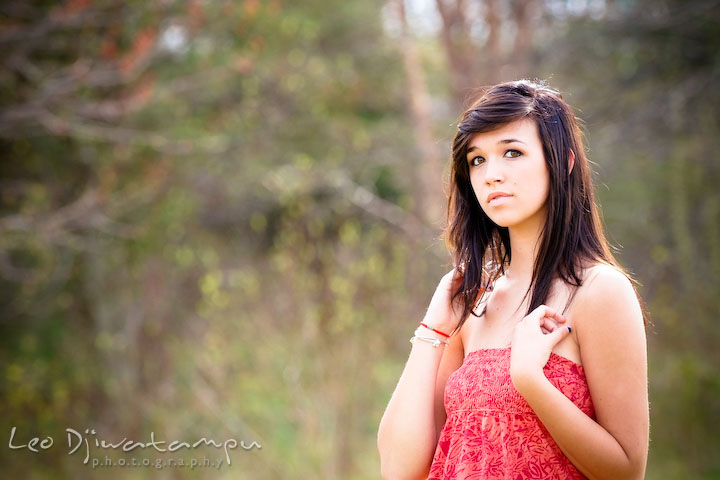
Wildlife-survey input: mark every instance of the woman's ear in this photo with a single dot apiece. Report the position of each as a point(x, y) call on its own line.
point(571, 162)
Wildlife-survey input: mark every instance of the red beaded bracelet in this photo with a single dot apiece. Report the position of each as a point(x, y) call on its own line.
point(436, 331)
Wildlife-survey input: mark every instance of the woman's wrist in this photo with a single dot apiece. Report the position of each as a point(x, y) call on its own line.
point(427, 334)
point(429, 329)
point(526, 381)
point(438, 328)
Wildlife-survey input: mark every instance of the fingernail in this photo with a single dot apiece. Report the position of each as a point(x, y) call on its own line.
point(569, 329)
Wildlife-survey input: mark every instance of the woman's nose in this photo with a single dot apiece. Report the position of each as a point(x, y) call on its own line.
point(493, 172)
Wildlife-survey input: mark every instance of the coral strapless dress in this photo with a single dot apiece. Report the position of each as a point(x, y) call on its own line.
point(491, 433)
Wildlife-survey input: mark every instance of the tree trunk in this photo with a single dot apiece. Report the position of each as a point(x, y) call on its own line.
point(429, 200)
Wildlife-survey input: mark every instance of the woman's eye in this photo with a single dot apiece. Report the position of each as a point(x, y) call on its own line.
point(513, 153)
point(475, 161)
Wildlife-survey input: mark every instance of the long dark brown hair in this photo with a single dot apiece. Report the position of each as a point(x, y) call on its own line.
point(572, 235)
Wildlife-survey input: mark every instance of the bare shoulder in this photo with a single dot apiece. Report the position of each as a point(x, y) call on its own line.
point(607, 296)
point(605, 278)
point(605, 285)
point(606, 300)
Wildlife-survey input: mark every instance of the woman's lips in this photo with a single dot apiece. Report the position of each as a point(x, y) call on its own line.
point(497, 198)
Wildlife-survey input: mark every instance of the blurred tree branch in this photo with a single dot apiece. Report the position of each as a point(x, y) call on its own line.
point(413, 228)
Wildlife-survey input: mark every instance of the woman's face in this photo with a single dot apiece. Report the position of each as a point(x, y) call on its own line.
point(509, 175)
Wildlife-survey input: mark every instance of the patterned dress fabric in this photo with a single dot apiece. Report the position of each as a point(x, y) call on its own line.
point(491, 433)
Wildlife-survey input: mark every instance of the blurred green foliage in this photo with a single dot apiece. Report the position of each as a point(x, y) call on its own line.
point(207, 222)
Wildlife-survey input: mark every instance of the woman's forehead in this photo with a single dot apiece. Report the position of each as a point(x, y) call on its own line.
point(524, 130)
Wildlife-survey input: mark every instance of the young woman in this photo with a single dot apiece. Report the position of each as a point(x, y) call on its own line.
point(531, 359)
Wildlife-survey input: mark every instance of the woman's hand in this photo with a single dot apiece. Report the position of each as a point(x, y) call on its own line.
point(534, 338)
point(441, 313)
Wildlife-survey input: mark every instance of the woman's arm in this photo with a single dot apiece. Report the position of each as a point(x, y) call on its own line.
point(610, 330)
point(409, 429)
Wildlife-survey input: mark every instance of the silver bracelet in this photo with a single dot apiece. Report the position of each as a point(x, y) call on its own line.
point(435, 342)
point(422, 332)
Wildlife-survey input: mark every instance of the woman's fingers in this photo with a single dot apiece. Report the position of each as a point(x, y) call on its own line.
point(443, 312)
point(546, 318)
point(558, 334)
point(550, 326)
point(549, 323)
point(455, 279)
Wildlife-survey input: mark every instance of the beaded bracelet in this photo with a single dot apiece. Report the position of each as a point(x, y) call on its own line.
point(435, 342)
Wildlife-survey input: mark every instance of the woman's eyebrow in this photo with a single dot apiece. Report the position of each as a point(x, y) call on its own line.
point(500, 142)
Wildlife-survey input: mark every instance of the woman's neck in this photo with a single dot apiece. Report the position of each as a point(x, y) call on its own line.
point(524, 246)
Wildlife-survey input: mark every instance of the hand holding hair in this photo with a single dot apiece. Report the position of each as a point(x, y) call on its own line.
point(443, 314)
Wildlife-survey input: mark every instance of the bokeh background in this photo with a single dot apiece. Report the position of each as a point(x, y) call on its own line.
point(223, 218)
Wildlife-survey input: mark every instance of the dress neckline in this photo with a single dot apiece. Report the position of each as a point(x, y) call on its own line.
point(504, 349)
